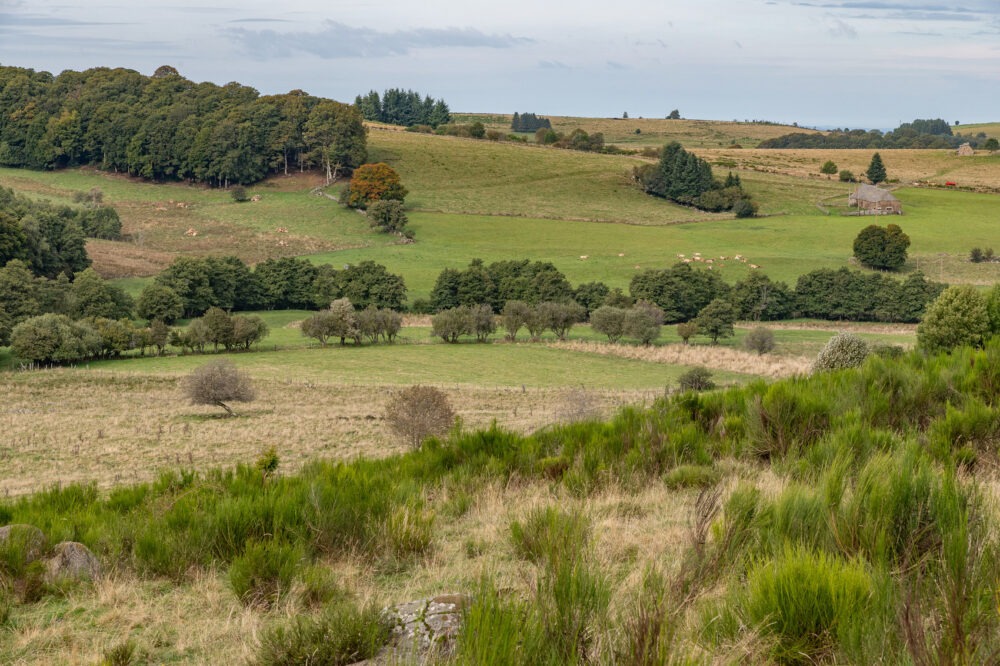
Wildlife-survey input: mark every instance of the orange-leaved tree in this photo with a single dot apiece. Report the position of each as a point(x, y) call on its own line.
point(374, 182)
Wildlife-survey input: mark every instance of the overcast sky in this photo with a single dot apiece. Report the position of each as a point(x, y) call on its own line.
point(867, 63)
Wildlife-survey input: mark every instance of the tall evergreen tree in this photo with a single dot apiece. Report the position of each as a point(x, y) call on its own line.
point(876, 170)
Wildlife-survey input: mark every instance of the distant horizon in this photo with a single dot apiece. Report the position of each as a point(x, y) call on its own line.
point(834, 63)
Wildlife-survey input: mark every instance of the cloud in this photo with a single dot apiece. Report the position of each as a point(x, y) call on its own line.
point(337, 40)
point(839, 28)
point(552, 64)
point(259, 20)
point(8, 20)
point(616, 65)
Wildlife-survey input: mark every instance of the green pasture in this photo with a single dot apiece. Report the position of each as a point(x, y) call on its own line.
point(466, 363)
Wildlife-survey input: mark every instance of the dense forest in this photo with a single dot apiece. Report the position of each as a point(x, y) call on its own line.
point(165, 127)
point(935, 133)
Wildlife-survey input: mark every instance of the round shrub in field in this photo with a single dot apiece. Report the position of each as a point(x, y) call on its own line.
point(418, 412)
point(844, 350)
point(217, 383)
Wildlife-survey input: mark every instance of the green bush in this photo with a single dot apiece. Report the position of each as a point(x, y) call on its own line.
point(788, 416)
point(340, 635)
point(549, 535)
point(264, 572)
point(696, 379)
point(803, 600)
point(692, 476)
point(760, 340)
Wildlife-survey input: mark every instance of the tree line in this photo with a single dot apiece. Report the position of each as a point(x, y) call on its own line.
point(921, 133)
point(403, 107)
point(165, 127)
point(529, 122)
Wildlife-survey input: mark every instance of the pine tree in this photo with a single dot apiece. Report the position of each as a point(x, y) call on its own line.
point(876, 170)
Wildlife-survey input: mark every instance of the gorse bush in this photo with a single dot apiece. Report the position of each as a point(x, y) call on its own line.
point(806, 601)
point(340, 635)
point(264, 572)
point(550, 536)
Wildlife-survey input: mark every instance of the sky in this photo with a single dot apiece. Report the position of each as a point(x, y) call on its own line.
point(829, 63)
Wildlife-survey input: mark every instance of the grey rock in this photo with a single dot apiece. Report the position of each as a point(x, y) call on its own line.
point(29, 537)
point(72, 561)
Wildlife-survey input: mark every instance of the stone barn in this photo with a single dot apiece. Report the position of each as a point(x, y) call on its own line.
point(965, 150)
point(871, 200)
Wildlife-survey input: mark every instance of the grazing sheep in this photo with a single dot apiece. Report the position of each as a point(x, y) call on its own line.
point(584, 257)
point(752, 266)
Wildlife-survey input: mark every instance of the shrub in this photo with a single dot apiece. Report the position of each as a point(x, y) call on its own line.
point(264, 572)
point(760, 340)
point(217, 383)
point(976, 255)
point(847, 176)
point(687, 330)
point(844, 350)
point(803, 599)
point(450, 325)
point(407, 532)
point(550, 536)
point(387, 215)
point(744, 208)
point(560, 317)
point(958, 317)
point(609, 321)
point(418, 412)
point(54, 338)
point(643, 322)
point(696, 379)
point(692, 476)
point(515, 315)
point(787, 416)
point(239, 194)
point(829, 167)
point(343, 634)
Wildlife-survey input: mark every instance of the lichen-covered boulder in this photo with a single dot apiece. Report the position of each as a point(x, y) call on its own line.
point(28, 539)
point(426, 628)
point(72, 561)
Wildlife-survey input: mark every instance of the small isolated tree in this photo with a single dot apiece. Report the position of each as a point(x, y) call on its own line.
point(218, 383)
point(674, 115)
point(760, 340)
point(846, 176)
point(829, 168)
point(716, 320)
point(418, 412)
point(744, 208)
point(696, 379)
point(239, 194)
point(991, 144)
point(844, 350)
point(876, 170)
point(687, 330)
point(960, 316)
point(374, 182)
point(387, 215)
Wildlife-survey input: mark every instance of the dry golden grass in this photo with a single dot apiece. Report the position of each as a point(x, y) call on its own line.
point(653, 132)
point(907, 166)
point(114, 427)
point(721, 358)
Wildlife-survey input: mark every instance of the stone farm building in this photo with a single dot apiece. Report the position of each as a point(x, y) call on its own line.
point(871, 200)
point(965, 150)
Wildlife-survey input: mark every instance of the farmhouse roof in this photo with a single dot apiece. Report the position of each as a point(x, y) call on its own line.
point(872, 193)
